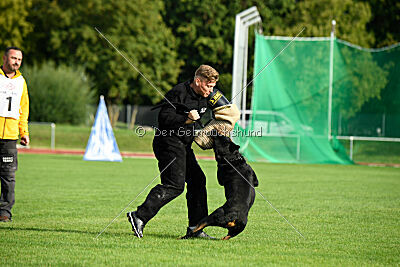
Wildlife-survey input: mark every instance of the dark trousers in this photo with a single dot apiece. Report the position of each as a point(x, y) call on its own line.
point(8, 166)
point(183, 169)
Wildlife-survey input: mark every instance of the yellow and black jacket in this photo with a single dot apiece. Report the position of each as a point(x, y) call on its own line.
point(10, 127)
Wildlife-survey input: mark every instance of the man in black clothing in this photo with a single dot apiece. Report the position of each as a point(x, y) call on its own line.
point(172, 148)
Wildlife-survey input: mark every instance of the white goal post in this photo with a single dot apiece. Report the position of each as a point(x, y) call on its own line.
point(244, 20)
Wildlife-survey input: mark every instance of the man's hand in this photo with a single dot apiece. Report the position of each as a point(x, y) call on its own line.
point(193, 116)
point(24, 140)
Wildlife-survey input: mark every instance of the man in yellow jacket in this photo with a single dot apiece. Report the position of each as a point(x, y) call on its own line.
point(14, 111)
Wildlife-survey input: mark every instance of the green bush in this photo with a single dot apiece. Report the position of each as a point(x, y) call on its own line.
point(59, 94)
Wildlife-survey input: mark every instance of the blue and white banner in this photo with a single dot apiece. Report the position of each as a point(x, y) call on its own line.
point(102, 145)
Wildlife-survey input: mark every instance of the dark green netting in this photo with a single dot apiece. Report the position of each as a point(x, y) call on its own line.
point(366, 91)
point(290, 102)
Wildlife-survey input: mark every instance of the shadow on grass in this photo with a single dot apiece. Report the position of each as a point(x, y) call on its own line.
point(92, 233)
point(11, 228)
point(175, 237)
point(162, 236)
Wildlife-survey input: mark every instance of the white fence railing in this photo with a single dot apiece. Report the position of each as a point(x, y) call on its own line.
point(53, 132)
point(340, 137)
point(364, 138)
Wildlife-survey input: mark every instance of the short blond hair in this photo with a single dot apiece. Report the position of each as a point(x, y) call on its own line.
point(207, 72)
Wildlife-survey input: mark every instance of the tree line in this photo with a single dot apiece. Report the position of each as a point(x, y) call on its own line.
point(167, 40)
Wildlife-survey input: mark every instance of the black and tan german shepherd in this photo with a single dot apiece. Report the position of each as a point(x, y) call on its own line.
point(239, 182)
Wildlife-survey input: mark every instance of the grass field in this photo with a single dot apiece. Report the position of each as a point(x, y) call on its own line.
point(349, 215)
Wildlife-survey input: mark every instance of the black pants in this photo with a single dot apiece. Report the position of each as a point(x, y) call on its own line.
point(8, 166)
point(183, 169)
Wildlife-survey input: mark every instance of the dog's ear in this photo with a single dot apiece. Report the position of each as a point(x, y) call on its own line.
point(255, 180)
point(222, 140)
point(233, 147)
point(225, 139)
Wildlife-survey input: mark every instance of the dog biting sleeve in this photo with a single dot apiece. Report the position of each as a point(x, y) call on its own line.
point(224, 122)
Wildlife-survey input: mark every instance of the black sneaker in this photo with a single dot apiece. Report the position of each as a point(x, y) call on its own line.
point(137, 224)
point(198, 234)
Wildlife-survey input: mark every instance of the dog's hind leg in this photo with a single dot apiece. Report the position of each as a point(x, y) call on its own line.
point(211, 220)
point(200, 227)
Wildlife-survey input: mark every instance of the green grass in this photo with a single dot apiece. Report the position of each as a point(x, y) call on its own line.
point(349, 216)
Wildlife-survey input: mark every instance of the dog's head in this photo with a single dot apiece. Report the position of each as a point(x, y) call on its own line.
point(225, 149)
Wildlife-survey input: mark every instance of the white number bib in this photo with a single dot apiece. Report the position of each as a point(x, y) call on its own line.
point(10, 96)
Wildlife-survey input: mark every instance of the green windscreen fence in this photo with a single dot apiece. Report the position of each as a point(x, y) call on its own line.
point(294, 111)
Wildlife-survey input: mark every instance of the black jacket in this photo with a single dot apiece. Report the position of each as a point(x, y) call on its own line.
point(171, 121)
